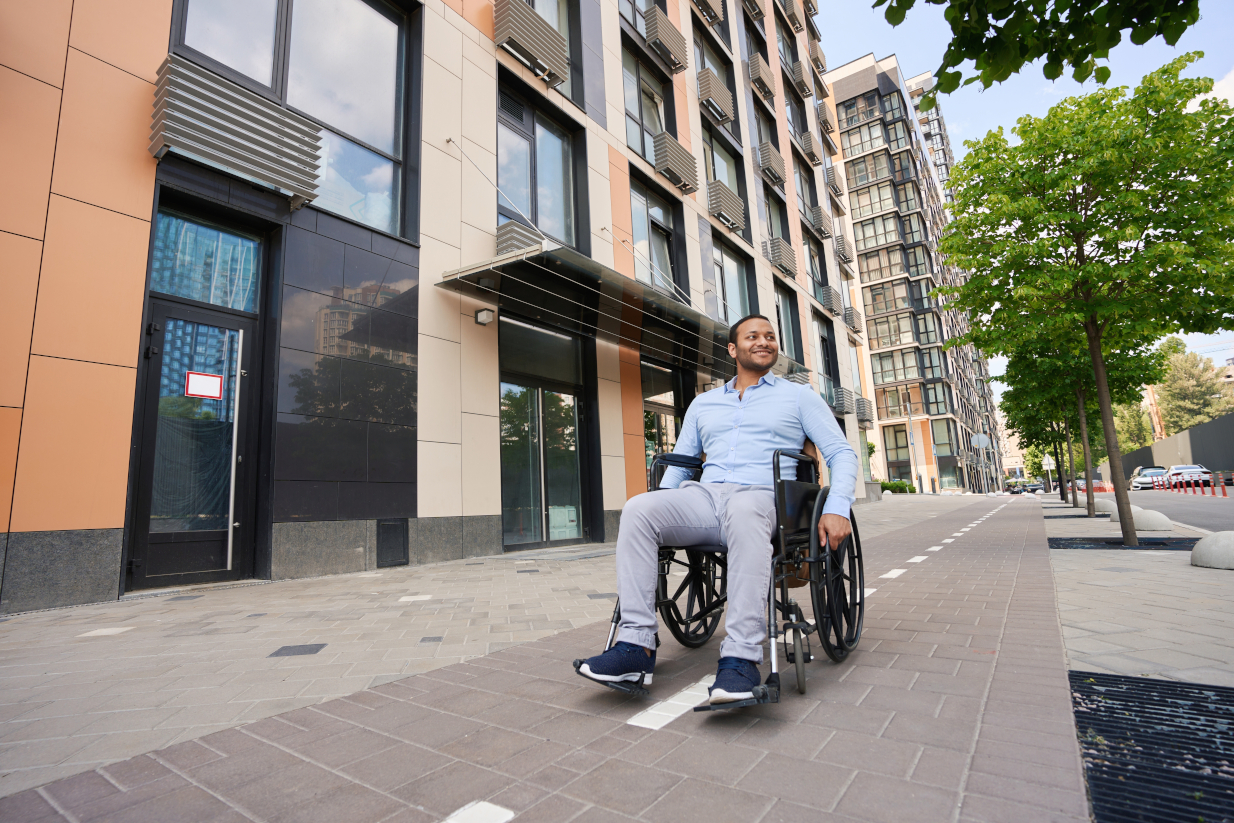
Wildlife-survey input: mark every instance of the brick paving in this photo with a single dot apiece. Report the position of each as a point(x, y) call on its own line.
point(956, 707)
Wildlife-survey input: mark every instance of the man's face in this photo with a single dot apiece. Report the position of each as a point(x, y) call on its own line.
point(756, 348)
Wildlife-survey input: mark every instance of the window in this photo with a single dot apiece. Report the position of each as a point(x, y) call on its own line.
point(719, 161)
point(907, 192)
point(912, 229)
point(866, 170)
point(557, 13)
point(865, 202)
point(942, 438)
point(862, 140)
point(731, 282)
point(644, 100)
point(804, 180)
point(786, 43)
point(894, 366)
point(886, 297)
point(535, 171)
point(879, 265)
point(898, 401)
point(816, 264)
point(895, 443)
point(856, 367)
point(824, 358)
point(927, 329)
point(890, 331)
point(786, 323)
point(918, 262)
point(205, 262)
point(635, 12)
point(858, 110)
point(795, 112)
point(764, 130)
point(920, 292)
point(936, 398)
point(897, 135)
point(931, 363)
point(653, 233)
point(705, 57)
point(902, 166)
point(352, 86)
point(876, 232)
point(777, 225)
point(755, 41)
point(893, 106)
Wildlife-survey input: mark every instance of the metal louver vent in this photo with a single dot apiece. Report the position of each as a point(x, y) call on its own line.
point(219, 124)
point(771, 163)
point(754, 8)
point(793, 12)
point(676, 163)
point(810, 146)
point(664, 37)
point(846, 401)
point(512, 107)
point(852, 319)
point(801, 79)
point(832, 301)
point(865, 412)
point(725, 205)
point(761, 78)
point(781, 255)
point(842, 252)
point(821, 220)
point(520, 30)
point(817, 57)
point(824, 117)
point(715, 96)
point(712, 11)
point(513, 236)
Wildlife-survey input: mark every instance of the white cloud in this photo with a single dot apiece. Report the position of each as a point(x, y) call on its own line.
point(1223, 88)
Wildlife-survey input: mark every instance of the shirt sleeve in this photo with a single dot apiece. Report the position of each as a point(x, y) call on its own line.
point(842, 463)
point(688, 443)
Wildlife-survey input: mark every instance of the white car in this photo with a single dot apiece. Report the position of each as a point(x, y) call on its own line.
point(1146, 479)
point(1192, 472)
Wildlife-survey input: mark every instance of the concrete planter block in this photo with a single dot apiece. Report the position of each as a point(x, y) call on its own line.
point(1151, 521)
point(1134, 509)
point(886, 493)
point(1214, 551)
point(1104, 505)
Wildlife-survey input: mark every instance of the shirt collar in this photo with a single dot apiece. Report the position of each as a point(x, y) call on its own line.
point(768, 378)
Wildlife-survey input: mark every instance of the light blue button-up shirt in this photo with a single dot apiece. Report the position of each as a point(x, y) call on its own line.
point(739, 434)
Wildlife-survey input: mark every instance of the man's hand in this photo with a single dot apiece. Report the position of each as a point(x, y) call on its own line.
point(832, 529)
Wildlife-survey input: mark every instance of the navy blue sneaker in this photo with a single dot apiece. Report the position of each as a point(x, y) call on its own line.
point(735, 680)
point(623, 663)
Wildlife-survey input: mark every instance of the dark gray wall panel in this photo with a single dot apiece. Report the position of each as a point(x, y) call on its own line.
point(43, 570)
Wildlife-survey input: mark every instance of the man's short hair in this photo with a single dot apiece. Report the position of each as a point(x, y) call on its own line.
point(736, 327)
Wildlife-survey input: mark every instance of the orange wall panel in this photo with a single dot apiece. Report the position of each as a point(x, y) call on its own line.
point(92, 284)
point(133, 35)
point(19, 260)
point(73, 464)
point(631, 398)
point(101, 153)
point(619, 192)
point(636, 464)
point(10, 429)
point(480, 14)
point(28, 114)
point(34, 36)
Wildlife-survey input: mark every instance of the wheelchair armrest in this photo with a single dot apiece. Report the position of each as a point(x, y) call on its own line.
point(800, 457)
point(671, 460)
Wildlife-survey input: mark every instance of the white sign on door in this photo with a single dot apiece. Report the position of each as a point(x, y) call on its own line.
point(207, 386)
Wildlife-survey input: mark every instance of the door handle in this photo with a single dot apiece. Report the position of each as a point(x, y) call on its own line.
point(236, 525)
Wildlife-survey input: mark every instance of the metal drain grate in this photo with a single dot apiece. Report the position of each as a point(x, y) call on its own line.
point(1178, 544)
point(1155, 751)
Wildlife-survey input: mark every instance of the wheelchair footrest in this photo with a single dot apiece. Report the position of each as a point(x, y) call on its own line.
point(762, 694)
point(633, 688)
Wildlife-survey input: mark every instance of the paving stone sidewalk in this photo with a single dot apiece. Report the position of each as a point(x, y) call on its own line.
point(956, 707)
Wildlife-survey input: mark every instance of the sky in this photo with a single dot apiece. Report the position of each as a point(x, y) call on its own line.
point(852, 29)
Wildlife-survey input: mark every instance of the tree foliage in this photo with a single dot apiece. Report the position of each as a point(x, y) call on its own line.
point(1001, 36)
point(1134, 429)
point(1192, 393)
point(1113, 215)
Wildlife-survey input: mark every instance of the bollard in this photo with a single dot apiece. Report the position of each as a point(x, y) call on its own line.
point(1200, 483)
point(1223, 494)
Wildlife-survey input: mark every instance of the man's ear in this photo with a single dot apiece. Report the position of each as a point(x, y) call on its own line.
point(732, 350)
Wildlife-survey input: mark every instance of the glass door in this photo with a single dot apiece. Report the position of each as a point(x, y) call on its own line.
point(541, 497)
point(192, 512)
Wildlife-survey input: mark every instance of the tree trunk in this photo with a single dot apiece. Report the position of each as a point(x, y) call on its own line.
point(1060, 466)
point(1075, 502)
point(1121, 499)
point(1088, 454)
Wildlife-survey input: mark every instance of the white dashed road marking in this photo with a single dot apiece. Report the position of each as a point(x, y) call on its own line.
point(412, 597)
point(108, 632)
point(934, 548)
point(481, 811)
point(894, 573)
point(918, 558)
point(948, 540)
point(666, 711)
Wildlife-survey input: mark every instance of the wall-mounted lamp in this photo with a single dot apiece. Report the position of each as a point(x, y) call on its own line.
point(485, 316)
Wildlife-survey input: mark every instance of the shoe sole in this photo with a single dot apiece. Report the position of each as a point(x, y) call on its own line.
point(631, 677)
point(721, 696)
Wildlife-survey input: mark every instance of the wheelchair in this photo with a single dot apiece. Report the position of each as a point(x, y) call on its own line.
point(691, 609)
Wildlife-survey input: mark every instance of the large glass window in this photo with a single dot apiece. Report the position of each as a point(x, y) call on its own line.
point(644, 101)
point(786, 43)
point(898, 401)
point(795, 112)
point(912, 229)
point(731, 282)
point(719, 162)
point(907, 192)
point(894, 366)
point(936, 398)
point(931, 363)
point(918, 261)
point(557, 13)
point(786, 322)
point(237, 33)
point(885, 332)
point(777, 225)
point(895, 443)
point(902, 166)
point(824, 359)
point(535, 171)
point(653, 232)
point(204, 262)
point(943, 441)
point(804, 180)
point(815, 263)
point(879, 265)
point(865, 202)
point(876, 232)
point(886, 297)
point(635, 12)
point(863, 139)
point(927, 329)
point(893, 106)
point(897, 135)
point(866, 169)
point(858, 109)
point(764, 129)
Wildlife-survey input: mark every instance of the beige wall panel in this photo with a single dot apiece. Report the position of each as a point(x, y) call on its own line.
point(478, 244)
point(482, 54)
point(30, 112)
point(609, 402)
point(74, 458)
point(10, 430)
point(481, 464)
point(479, 196)
point(440, 487)
point(19, 262)
point(481, 375)
point(438, 392)
point(92, 284)
point(480, 117)
point(613, 482)
point(34, 37)
point(608, 360)
point(133, 35)
point(440, 184)
point(443, 107)
point(101, 155)
point(443, 44)
point(439, 309)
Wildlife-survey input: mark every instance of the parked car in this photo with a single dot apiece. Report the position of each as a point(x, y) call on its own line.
point(1015, 490)
point(1139, 470)
point(1035, 487)
point(1146, 478)
point(1191, 472)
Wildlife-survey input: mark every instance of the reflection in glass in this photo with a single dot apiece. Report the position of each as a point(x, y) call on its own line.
point(193, 441)
point(532, 350)
point(344, 68)
point(514, 170)
point(521, 515)
point(206, 263)
point(357, 183)
point(554, 183)
point(237, 33)
point(561, 480)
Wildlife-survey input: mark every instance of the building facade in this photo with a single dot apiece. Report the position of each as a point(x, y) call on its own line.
point(930, 401)
point(313, 288)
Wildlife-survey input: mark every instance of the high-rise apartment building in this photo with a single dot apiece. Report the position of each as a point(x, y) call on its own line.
point(354, 283)
point(933, 130)
point(930, 401)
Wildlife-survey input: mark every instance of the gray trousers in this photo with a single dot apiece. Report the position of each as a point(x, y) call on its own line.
point(738, 517)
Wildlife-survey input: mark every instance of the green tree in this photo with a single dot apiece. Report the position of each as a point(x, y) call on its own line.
point(1171, 346)
point(1134, 429)
point(1001, 36)
point(1113, 214)
point(1192, 393)
point(1033, 462)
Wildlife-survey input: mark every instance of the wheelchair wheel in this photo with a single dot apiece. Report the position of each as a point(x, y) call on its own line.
point(837, 587)
point(692, 608)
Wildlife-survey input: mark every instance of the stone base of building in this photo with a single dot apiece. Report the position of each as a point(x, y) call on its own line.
point(45, 570)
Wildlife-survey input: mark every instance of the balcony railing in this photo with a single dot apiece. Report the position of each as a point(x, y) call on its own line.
point(761, 78)
point(520, 30)
point(842, 250)
point(793, 12)
point(771, 163)
point(754, 8)
point(725, 205)
point(817, 57)
point(810, 146)
point(846, 401)
point(513, 236)
point(714, 96)
point(821, 220)
point(801, 79)
point(781, 254)
point(852, 319)
point(824, 118)
point(712, 11)
point(833, 181)
point(676, 163)
point(666, 39)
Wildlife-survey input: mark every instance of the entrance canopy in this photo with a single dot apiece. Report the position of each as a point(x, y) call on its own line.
point(557, 286)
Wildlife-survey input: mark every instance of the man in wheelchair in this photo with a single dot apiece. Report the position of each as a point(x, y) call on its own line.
point(738, 427)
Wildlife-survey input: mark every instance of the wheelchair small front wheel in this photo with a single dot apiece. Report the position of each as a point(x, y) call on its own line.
point(799, 661)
